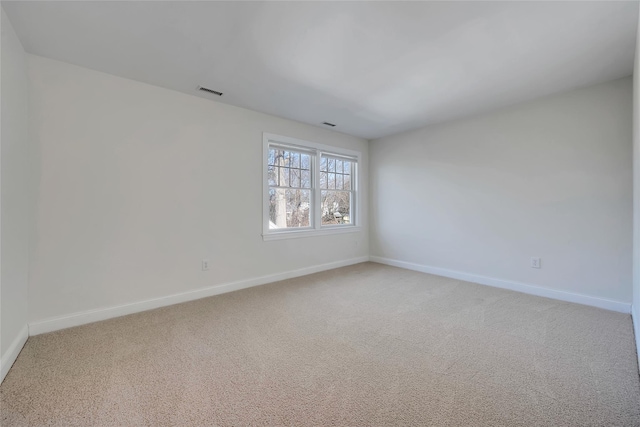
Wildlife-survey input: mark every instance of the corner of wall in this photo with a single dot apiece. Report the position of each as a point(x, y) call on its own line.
point(14, 226)
point(635, 307)
point(635, 318)
point(10, 356)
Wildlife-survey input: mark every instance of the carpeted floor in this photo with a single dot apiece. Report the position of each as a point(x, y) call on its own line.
point(366, 345)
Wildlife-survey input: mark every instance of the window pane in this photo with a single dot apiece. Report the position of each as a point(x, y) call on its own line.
point(339, 166)
point(339, 181)
point(323, 180)
point(347, 182)
point(273, 175)
point(332, 181)
point(295, 177)
point(305, 161)
point(305, 180)
point(347, 175)
point(323, 164)
point(285, 168)
point(283, 177)
point(336, 207)
point(331, 165)
point(289, 208)
point(272, 196)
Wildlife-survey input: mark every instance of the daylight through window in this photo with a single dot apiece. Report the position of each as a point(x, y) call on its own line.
point(289, 188)
point(308, 187)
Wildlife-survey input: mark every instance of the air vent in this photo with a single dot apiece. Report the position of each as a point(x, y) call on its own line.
point(204, 89)
point(329, 124)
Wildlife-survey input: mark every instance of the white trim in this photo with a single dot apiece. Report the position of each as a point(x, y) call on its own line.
point(279, 235)
point(635, 318)
point(607, 304)
point(287, 140)
point(10, 356)
point(90, 316)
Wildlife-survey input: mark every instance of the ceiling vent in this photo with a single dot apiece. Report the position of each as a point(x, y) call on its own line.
point(204, 89)
point(329, 124)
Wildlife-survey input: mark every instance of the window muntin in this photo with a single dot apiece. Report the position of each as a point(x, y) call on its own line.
point(308, 188)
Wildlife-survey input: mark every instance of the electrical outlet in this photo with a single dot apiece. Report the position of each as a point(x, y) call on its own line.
point(535, 263)
point(205, 264)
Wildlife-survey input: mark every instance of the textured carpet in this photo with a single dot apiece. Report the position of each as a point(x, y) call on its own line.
point(366, 345)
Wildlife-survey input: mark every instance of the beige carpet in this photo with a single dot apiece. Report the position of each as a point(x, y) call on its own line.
point(367, 345)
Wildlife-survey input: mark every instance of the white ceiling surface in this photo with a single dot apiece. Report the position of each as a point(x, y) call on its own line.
point(373, 68)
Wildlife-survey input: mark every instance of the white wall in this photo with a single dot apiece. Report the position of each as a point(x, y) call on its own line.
point(550, 178)
point(14, 199)
point(138, 184)
point(636, 196)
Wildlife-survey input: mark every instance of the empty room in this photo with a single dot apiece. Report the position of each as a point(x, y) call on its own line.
point(366, 213)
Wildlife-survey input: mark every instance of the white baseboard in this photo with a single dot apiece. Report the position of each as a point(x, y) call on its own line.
point(90, 316)
point(607, 304)
point(635, 317)
point(10, 356)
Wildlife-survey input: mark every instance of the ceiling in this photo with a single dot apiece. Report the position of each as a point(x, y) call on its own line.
point(372, 68)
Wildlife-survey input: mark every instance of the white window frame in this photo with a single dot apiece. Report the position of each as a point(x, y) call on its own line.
point(316, 228)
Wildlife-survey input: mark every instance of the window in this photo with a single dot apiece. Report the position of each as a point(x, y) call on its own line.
point(289, 188)
point(309, 188)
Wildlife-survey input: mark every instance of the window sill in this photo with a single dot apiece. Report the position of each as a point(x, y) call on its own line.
point(309, 233)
